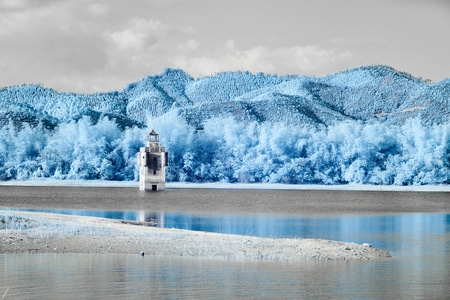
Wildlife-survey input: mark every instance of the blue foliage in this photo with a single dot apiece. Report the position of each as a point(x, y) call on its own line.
point(371, 125)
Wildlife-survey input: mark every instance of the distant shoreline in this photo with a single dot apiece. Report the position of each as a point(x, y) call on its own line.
point(220, 185)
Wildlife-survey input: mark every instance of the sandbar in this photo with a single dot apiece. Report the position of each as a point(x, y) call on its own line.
point(33, 232)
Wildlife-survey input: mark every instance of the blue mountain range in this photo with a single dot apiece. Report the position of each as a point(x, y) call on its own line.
point(372, 125)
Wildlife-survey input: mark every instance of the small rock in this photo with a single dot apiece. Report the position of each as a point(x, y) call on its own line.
point(367, 245)
point(142, 253)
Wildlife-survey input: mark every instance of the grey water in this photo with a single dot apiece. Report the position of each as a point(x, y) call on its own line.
point(419, 242)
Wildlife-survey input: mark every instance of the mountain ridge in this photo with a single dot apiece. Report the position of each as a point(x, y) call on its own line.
point(371, 124)
point(365, 93)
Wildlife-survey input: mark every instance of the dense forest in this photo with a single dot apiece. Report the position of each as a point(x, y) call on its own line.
point(372, 125)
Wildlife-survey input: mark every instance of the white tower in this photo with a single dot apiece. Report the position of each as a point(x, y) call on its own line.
point(152, 161)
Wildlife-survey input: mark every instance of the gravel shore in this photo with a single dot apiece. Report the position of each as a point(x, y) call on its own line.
point(31, 232)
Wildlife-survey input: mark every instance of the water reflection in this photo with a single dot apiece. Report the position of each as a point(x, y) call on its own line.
point(74, 276)
point(419, 242)
point(396, 233)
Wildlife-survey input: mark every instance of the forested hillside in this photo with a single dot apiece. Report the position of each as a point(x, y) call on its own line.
point(370, 125)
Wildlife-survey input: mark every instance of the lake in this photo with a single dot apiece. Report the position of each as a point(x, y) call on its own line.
point(413, 226)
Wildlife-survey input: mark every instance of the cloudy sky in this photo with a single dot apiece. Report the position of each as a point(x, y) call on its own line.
point(101, 45)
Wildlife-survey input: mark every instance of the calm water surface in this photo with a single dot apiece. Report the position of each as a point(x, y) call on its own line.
point(419, 241)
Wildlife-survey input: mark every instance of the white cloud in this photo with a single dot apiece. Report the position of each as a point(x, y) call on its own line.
point(12, 4)
point(282, 60)
point(49, 40)
point(188, 46)
point(93, 45)
point(139, 34)
point(187, 30)
point(134, 50)
point(229, 44)
point(76, 47)
point(358, 40)
point(97, 9)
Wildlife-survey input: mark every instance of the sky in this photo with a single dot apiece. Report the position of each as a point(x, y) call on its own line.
point(91, 46)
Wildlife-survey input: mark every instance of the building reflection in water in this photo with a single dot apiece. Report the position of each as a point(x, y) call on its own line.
point(152, 217)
